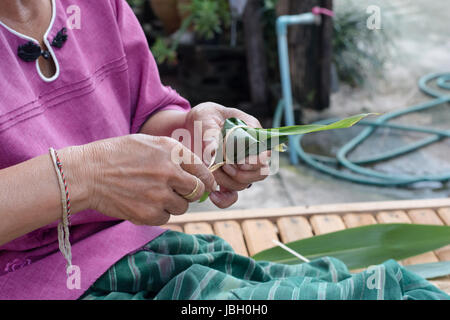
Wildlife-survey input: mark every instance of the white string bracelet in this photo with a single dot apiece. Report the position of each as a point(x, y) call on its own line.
point(63, 225)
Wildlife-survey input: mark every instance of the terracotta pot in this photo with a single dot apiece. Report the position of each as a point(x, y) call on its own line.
point(167, 11)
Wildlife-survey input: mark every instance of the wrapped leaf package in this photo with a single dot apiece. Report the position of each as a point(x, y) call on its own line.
point(240, 141)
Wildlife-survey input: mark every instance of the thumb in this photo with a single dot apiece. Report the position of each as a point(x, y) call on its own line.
point(212, 140)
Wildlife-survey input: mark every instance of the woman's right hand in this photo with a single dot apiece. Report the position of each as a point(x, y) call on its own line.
point(134, 178)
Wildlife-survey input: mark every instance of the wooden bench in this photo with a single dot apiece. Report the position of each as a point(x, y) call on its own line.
point(251, 231)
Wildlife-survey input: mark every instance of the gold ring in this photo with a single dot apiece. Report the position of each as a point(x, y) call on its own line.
point(193, 194)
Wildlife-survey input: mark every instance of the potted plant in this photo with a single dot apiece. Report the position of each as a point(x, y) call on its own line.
point(206, 19)
point(208, 67)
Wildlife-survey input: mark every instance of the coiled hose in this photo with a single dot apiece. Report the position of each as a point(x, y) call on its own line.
point(359, 174)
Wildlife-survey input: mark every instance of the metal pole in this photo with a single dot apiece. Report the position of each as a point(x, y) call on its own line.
point(283, 52)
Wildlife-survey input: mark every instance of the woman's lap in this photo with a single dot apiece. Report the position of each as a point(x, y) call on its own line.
point(181, 266)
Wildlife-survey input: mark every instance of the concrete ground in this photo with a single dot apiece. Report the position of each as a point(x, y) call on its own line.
point(422, 46)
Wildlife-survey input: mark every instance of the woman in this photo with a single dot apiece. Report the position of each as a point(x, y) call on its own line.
point(94, 94)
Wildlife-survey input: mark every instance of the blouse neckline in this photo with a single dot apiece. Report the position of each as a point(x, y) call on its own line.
point(45, 39)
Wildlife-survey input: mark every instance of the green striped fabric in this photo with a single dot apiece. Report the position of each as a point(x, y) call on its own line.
point(181, 266)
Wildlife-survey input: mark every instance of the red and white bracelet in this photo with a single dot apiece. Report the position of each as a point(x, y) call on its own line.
point(64, 223)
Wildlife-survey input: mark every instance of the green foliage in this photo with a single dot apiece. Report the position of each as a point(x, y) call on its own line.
point(208, 18)
point(357, 50)
point(162, 51)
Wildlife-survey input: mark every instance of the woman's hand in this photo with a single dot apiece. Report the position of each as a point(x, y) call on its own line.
point(230, 177)
point(136, 178)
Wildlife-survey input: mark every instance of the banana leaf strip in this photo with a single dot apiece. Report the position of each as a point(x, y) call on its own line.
point(431, 270)
point(364, 246)
point(242, 141)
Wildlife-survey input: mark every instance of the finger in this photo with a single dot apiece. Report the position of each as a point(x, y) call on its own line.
point(256, 162)
point(224, 199)
point(192, 164)
point(188, 186)
point(224, 180)
point(248, 119)
point(163, 219)
point(176, 204)
point(246, 177)
point(155, 217)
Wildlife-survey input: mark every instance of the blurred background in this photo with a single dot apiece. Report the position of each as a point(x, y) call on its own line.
point(226, 51)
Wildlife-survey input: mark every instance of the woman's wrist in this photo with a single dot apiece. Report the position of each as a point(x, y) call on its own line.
point(164, 123)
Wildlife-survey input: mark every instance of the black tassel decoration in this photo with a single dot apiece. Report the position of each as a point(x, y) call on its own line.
point(29, 52)
point(60, 38)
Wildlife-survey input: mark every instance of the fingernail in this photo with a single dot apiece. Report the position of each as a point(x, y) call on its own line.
point(215, 186)
point(229, 169)
point(214, 197)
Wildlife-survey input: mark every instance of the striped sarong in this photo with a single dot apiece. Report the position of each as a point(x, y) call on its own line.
point(181, 266)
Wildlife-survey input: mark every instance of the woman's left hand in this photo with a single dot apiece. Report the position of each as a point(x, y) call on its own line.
point(231, 177)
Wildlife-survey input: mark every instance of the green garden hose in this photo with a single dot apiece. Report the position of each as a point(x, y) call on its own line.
point(359, 174)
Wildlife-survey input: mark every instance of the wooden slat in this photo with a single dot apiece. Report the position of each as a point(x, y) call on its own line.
point(259, 234)
point(393, 217)
point(428, 216)
point(231, 232)
point(428, 257)
point(444, 285)
point(198, 228)
point(173, 227)
point(294, 228)
point(341, 208)
point(326, 223)
point(401, 217)
point(424, 216)
point(353, 220)
point(444, 213)
point(443, 253)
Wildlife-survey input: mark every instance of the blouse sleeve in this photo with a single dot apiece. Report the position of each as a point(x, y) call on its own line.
point(148, 94)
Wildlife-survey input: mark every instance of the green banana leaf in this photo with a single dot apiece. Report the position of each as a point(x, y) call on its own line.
point(244, 141)
point(364, 246)
point(431, 270)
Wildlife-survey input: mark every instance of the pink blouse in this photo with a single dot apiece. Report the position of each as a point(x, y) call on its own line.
point(106, 85)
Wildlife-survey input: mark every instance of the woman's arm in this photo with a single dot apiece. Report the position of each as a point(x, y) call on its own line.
point(129, 178)
point(164, 122)
point(30, 196)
